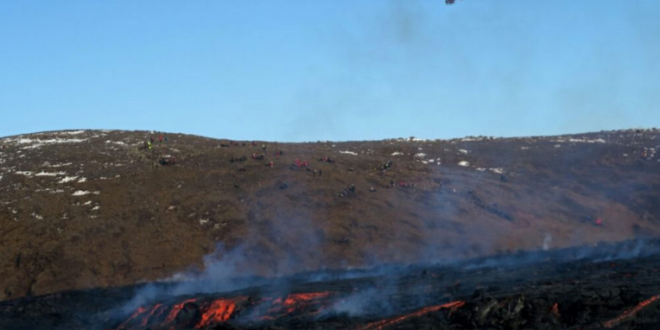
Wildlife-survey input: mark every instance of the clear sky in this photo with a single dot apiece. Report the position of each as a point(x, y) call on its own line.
point(330, 70)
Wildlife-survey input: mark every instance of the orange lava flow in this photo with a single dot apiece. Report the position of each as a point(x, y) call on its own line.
point(628, 314)
point(139, 311)
point(176, 309)
point(146, 319)
point(291, 303)
point(555, 310)
point(220, 310)
point(387, 322)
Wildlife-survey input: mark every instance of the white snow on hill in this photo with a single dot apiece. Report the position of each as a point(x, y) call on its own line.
point(42, 173)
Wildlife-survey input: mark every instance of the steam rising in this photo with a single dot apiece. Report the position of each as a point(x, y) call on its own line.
point(546, 242)
point(223, 274)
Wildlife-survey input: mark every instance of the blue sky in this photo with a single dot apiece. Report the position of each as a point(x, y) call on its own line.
point(330, 70)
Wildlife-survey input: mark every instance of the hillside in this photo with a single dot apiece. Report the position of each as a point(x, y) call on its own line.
point(83, 209)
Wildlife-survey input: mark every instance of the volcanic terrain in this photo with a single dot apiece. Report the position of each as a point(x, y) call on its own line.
point(608, 286)
point(89, 209)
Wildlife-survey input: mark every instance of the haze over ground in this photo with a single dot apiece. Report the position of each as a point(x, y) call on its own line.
point(336, 70)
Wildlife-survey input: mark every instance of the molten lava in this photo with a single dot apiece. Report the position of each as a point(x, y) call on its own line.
point(176, 309)
point(212, 312)
point(630, 313)
point(139, 311)
point(294, 302)
point(379, 325)
point(145, 320)
point(218, 311)
point(555, 310)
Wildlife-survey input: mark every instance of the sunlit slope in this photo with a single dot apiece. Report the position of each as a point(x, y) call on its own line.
point(96, 208)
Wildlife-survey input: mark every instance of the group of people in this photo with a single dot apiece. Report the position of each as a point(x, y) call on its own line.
point(151, 142)
point(402, 184)
point(167, 160)
point(385, 166)
point(262, 156)
point(161, 139)
point(648, 153)
point(347, 191)
point(239, 159)
point(301, 163)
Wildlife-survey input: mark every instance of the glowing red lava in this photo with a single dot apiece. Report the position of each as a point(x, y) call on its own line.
point(176, 309)
point(145, 320)
point(139, 311)
point(555, 310)
point(387, 322)
point(219, 310)
point(630, 313)
point(292, 303)
point(212, 312)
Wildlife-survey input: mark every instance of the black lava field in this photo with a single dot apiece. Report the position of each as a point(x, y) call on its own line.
point(606, 286)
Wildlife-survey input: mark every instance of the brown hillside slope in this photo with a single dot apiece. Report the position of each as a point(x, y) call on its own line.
point(94, 208)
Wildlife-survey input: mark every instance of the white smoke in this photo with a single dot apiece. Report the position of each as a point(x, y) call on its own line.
point(546, 242)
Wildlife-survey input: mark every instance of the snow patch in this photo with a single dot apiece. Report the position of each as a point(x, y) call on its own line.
point(58, 165)
point(472, 139)
point(397, 153)
point(463, 151)
point(82, 179)
point(81, 193)
point(42, 173)
point(420, 155)
point(121, 143)
point(68, 179)
point(580, 140)
point(72, 133)
point(348, 152)
point(464, 163)
point(96, 208)
point(25, 173)
point(37, 143)
point(497, 170)
point(587, 141)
